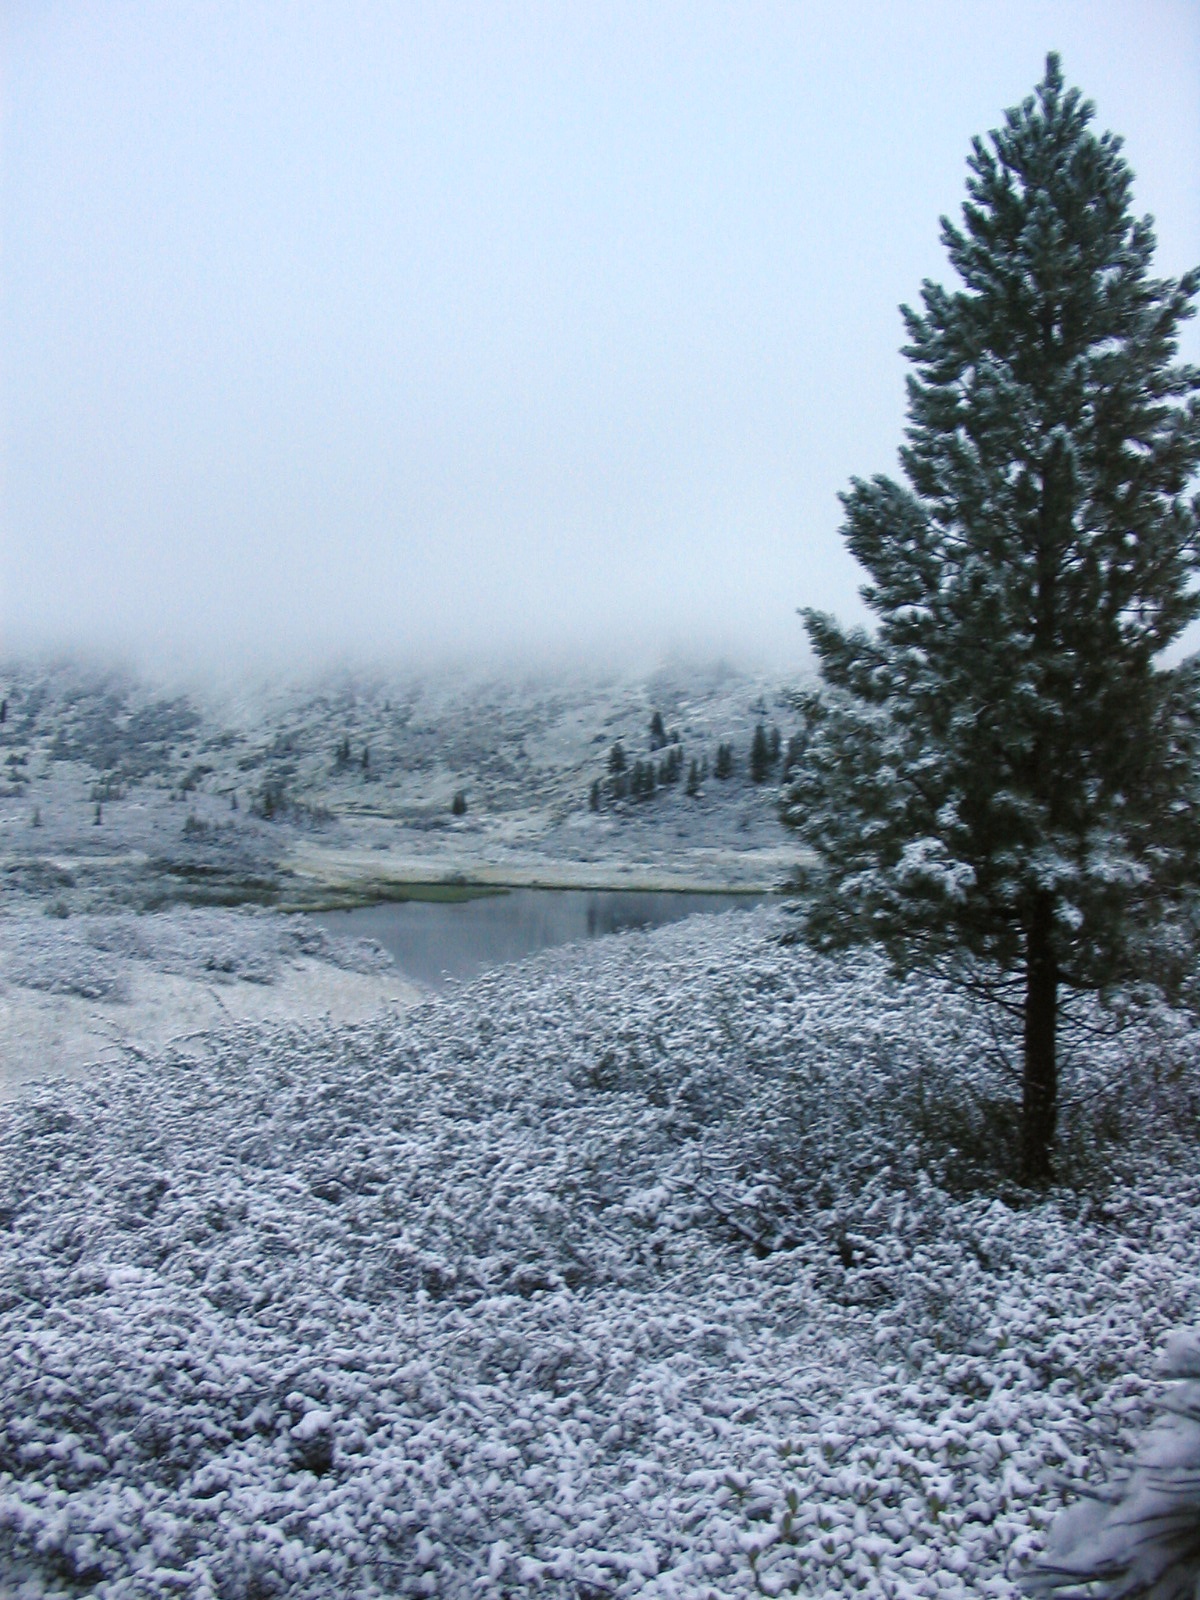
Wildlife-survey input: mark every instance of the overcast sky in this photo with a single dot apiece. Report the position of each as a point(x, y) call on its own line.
point(406, 328)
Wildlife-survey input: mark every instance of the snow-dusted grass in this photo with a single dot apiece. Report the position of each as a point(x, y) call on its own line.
point(645, 1267)
point(94, 955)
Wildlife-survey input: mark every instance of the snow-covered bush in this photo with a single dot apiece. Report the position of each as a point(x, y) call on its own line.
point(95, 954)
point(1142, 1538)
point(525, 1291)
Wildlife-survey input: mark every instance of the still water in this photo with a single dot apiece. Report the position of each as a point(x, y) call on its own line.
point(434, 942)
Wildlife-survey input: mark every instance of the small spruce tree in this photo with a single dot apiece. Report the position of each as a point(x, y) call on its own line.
point(616, 758)
point(1001, 780)
point(723, 765)
point(760, 755)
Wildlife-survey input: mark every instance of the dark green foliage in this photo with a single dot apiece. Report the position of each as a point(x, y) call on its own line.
point(693, 779)
point(458, 806)
point(1001, 779)
point(641, 783)
point(760, 755)
point(723, 766)
point(342, 758)
point(99, 816)
point(366, 758)
point(594, 796)
point(272, 801)
point(616, 758)
point(774, 745)
point(658, 733)
point(670, 766)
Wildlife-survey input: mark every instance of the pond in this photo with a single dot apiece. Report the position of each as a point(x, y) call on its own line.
point(433, 941)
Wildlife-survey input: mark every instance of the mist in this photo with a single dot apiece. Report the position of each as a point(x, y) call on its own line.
point(446, 333)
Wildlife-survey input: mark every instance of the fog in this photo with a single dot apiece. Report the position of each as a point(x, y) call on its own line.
point(444, 330)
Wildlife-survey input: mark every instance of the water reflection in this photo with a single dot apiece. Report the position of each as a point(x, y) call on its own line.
point(434, 942)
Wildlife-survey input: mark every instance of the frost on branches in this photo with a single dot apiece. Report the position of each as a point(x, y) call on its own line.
point(1002, 776)
point(1143, 1540)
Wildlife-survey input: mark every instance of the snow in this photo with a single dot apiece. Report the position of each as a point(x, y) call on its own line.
point(102, 985)
point(672, 1265)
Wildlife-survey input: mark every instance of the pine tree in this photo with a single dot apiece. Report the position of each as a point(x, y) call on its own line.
point(760, 755)
point(693, 779)
point(616, 758)
point(658, 733)
point(1001, 779)
point(594, 796)
point(723, 766)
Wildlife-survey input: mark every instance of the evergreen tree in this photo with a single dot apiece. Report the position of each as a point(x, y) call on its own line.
point(760, 755)
point(693, 779)
point(775, 744)
point(1000, 780)
point(723, 765)
point(658, 734)
point(594, 796)
point(616, 758)
point(791, 758)
point(458, 806)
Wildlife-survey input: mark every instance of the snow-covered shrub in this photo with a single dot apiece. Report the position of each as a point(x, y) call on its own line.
point(95, 956)
point(522, 1293)
point(1142, 1537)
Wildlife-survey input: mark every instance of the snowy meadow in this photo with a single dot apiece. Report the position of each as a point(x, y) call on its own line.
point(680, 1264)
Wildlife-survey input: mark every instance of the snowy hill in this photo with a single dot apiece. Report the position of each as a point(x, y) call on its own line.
point(115, 790)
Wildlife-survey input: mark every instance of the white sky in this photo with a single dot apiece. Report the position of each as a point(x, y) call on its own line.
point(405, 328)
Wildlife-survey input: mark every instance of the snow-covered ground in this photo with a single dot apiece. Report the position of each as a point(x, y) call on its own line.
point(103, 986)
point(674, 1265)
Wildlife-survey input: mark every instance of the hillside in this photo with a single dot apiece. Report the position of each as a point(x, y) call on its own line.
point(115, 790)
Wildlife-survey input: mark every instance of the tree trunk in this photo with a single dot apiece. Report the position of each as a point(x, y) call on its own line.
point(1039, 1103)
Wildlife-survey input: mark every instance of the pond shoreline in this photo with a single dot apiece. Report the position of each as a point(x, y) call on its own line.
point(319, 879)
